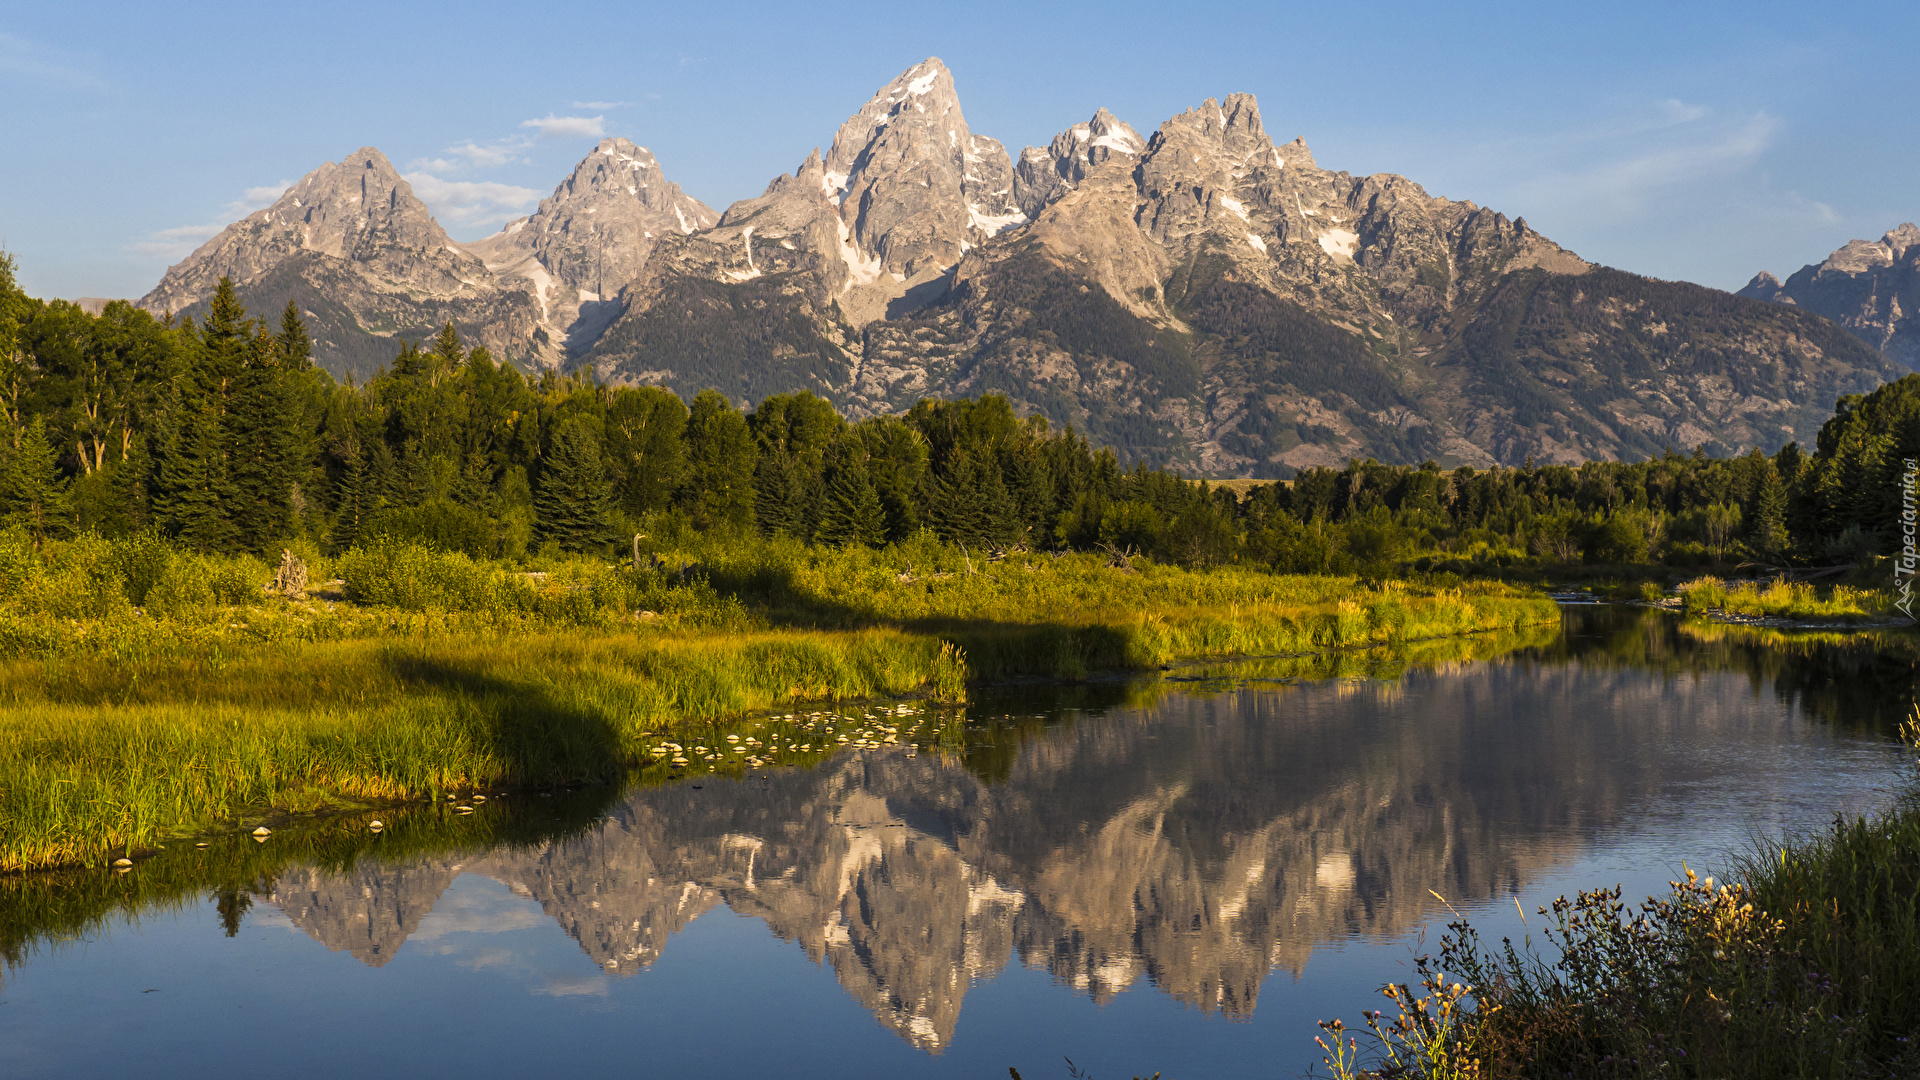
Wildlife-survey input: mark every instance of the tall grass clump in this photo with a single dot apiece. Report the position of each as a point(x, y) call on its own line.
point(1784, 599)
point(1805, 964)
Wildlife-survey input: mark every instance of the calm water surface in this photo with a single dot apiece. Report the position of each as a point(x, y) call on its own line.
point(1180, 874)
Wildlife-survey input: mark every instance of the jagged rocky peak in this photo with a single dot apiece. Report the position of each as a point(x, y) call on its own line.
point(594, 233)
point(1861, 256)
point(1212, 168)
point(1871, 287)
point(1043, 175)
point(358, 209)
point(914, 186)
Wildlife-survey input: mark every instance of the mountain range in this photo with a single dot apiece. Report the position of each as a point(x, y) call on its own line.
point(1870, 287)
point(1203, 297)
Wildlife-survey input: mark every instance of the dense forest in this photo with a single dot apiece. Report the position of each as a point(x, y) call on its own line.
point(223, 436)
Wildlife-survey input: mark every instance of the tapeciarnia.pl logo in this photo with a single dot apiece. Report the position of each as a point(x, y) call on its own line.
point(1903, 569)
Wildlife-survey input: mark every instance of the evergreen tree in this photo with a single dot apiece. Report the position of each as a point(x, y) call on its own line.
point(779, 503)
point(572, 501)
point(264, 421)
point(195, 491)
point(292, 347)
point(720, 463)
point(850, 511)
point(897, 459)
point(1767, 527)
point(33, 494)
point(350, 505)
point(130, 479)
point(967, 503)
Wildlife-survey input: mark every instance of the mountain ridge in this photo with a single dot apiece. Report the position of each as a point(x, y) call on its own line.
point(1202, 297)
point(1870, 287)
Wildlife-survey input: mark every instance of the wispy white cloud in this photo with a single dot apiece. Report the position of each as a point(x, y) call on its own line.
point(550, 126)
point(601, 105)
point(35, 62)
point(471, 202)
point(258, 198)
point(1622, 167)
point(175, 243)
point(474, 155)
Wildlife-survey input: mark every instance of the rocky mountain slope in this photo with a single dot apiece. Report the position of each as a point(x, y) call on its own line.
point(1871, 288)
point(1202, 297)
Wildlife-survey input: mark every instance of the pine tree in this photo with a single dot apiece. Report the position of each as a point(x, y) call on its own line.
point(850, 512)
point(131, 477)
point(447, 356)
point(720, 463)
point(572, 503)
point(33, 494)
point(350, 505)
point(293, 349)
point(968, 503)
point(778, 508)
point(263, 421)
point(1767, 528)
point(195, 491)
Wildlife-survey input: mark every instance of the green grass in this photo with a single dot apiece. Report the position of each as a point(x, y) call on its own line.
point(147, 694)
point(1806, 963)
point(1786, 600)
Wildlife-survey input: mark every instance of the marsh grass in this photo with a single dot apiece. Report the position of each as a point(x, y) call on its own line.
point(1786, 600)
point(101, 758)
point(146, 693)
point(1805, 964)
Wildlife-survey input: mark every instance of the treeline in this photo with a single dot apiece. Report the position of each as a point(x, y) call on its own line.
point(224, 437)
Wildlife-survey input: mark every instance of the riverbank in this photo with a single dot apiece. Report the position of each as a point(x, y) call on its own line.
point(422, 674)
point(1805, 963)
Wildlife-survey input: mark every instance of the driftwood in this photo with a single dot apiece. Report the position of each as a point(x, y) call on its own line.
point(291, 579)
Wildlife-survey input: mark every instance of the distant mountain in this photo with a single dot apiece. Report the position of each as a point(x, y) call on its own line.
point(1202, 297)
point(1871, 288)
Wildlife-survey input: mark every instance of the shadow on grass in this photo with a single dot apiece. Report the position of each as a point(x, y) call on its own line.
point(545, 741)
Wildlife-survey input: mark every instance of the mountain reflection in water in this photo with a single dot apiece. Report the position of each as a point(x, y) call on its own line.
point(1191, 833)
point(1195, 843)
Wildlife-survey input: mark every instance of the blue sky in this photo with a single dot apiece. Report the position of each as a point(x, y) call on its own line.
point(1691, 141)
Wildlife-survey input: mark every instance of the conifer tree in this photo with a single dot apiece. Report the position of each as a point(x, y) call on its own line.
point(720, 463)
point(292, 347)
point(779, 508)
point(131, 476)
point(263, 420)
point(350, 504)
point(33, 494)
point(967, 503)
point(1767, 528)
point(850, 511)
point(194, 492)
point(572, 503)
